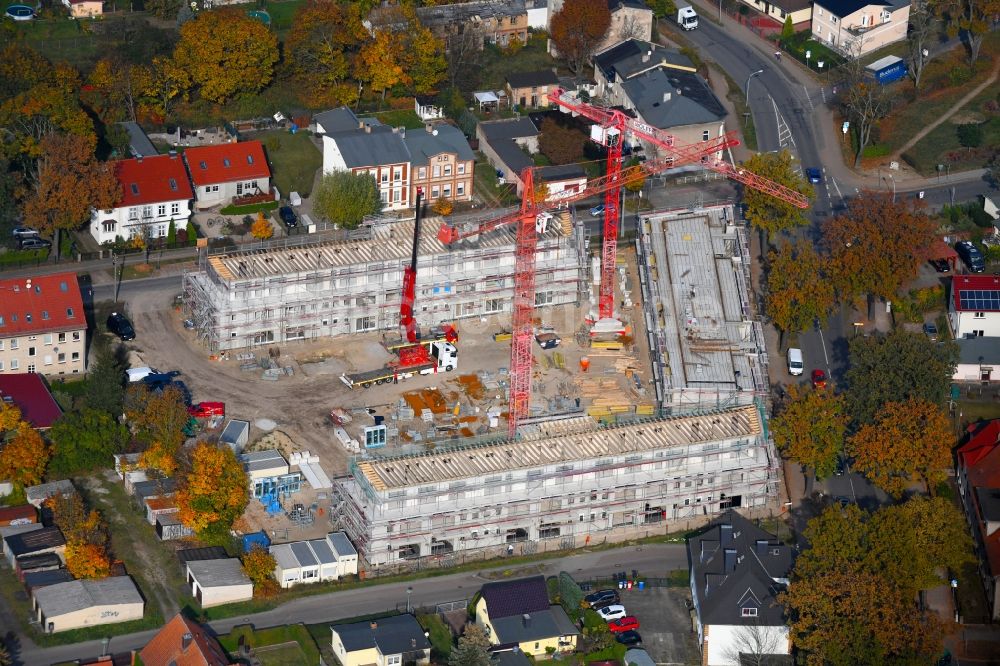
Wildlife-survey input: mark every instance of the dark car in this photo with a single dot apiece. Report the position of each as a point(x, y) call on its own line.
point(971, 255)
point(288, 216)
point(941, 265)
point(931, 331)
point(842, 501)
point(121, 326)
point(601, 597)
point(814, 175)
point(34, 243)
point(629, 638)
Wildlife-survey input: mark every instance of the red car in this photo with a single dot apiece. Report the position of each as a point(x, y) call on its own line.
point(819, 379)
point(627, 623)
point(204, 410)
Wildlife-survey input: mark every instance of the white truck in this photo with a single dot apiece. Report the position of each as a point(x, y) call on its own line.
point(687, 18)
point(443, 357)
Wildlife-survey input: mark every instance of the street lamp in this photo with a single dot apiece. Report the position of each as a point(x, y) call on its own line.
point(746, 92)
point(890, 177)
point(409, 591)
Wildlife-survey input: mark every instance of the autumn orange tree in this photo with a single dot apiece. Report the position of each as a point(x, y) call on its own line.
point(213, 490)
point(559, 143)
point(261, 229)
point(770, 214)
point(810, 429)
point(877, 246)
point(224, 52)
point(259, 565)
point(86, 536)
point(123, 85)
point(321, 48)
point(797, 289)
point(578, 29)
point(443, 206)
point(23, 453)
point(67, 182)
point(380, 62)
point(909, 441)
point(158, 421)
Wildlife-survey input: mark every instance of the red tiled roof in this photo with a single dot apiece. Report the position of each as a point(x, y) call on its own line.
point(160, 503)
point(962, 283)
point(32, 397)
point(226, 162)
point(983, 438)
point(168, 647)
point(22, 512)
point(41, 305)
point(149, 180)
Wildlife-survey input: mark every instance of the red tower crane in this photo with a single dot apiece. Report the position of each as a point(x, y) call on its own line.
point(614, 124)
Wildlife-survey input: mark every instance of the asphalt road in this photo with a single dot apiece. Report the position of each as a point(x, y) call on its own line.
point(651, 560)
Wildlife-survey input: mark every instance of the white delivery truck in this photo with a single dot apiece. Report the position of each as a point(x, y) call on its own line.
point(687, 18)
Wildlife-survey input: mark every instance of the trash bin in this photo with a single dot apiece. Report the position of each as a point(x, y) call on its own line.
point(621, 585)
point(642, 585)
point(629, 585)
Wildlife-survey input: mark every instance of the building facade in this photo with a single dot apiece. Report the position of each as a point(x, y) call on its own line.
point(499, 22)
point(84, 8)
point(227, 171)
point(859, 27)
point(568, 481)
point(246, 299)
point(155, 191)
point(43, 327)
point(974, 306)
point(978, 477)
point(780, 10)
point(529, 90)
point(441, 162)
point(86, 603)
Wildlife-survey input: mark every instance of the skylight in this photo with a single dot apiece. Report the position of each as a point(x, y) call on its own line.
point(69, 313)
point(173, 184)
point(225, 162)
point(249, 159)
point(45, 314)
point(203, 165)
point(135, 189)
point(63, 286)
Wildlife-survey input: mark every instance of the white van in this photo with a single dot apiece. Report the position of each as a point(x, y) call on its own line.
point(794, 361)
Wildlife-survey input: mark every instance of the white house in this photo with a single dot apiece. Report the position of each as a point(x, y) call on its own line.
point(86, 603)
point(227, 171)
point(736, 571)
point(974, 306)
point(218, 582)
point(315, 560)
point(978, 360)
point(859, 27)
point(154, 191)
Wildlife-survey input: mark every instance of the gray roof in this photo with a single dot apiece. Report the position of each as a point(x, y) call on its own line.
point(341, 544)
point(64, 598)
point(542, 77)
point(322, 551)
point(382, 145)
point(303, 553)
point(233, 430)
point(256, 461)
point(341, 120)
point(690, 101)
point(391, 635)
point(509, 658)
point(196, 554)
point(45, 490)
point(748, 659)
point(283, 556)
point(560, 172)
point(154, 488)
point(639, 657)
point(424, 145)
point(139, 143)
point(735, 564)
point(440, 15)
point(989, 503)
point(632, 57)
point(971, 349)
point(36, 579)
point(533, 626)
point(508, 129)
point(10, 530)
point(34, 541)
point(218, 573)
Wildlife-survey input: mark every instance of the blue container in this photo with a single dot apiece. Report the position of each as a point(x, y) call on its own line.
point(642, 585)
point(255, 539)
point(888, 69)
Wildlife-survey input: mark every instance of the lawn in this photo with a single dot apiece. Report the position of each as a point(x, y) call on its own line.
point(942, 146)
point(277, 646)
point(487, 188)
point(440, 635)
point(802, 42)
point(407, 118)
point(294, 159)
point(496, 66)
point(60, 39)
point(282, 14)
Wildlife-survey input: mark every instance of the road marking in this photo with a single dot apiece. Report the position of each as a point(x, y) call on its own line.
point(839, 193)
point(784, 132)
point(822, 93)
point(826, 358)
point(808, 97)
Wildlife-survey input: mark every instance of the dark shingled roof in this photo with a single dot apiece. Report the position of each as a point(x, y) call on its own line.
point(516, 597)
point(544, 77)
point(842, 8)
point(32, 542)
point(392, 635)
point(198, 554)
point(691, 101)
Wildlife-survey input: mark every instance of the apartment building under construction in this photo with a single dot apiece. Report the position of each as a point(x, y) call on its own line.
point(282, 292)
point(568, 480)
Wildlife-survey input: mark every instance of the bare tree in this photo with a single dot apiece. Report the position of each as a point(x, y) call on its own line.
point(464, 48)
point(865, 102)
point(630, 28)
point(752, 643)
point(923, 27)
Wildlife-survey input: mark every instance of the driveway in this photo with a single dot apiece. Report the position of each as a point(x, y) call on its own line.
point(664, 623)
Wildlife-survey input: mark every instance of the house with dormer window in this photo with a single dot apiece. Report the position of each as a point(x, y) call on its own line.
point(388, 641)
point(737, 571)
point(227, 171)
point(154, 191)
point(518, 612)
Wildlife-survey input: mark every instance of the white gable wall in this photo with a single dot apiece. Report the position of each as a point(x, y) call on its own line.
point(723, 642)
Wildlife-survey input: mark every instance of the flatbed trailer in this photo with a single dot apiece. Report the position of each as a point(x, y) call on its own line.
point(443, 358)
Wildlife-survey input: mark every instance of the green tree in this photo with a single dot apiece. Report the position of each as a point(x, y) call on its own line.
point(345, 198)
point(158, 420)
point(663, 8)
point(810, 429)
point(895, 368)
point(970, 135)
point(797, 289)
point(106, 385)
point(83, 441)
point(472, 649)
point(171, 233)
point(766, 212)
point(321, 49)
point(192, 233)
point(117, 139)
point(787, 30)
point(165, 9)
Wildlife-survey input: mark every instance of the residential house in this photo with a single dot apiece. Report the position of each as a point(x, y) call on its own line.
point(518, 612)
point(35, 542)
point(508, 146)
point(155, 191)
point(227, 171)
point(978, 475)
point(86, 603)
point(661, 88)
point(389, 641)
point(377, 150)
point(779, 10)
point(315, 560)
point(562, 180)
point(978, 360)
point(737, 571)
point(498, 22)
point(84, 8)
point(974, 306)
point(441, 162)
point(28, 391)
point(218, 582)
point(531, 89)
point(43, 327)
point(183, 642)
point(859, 27)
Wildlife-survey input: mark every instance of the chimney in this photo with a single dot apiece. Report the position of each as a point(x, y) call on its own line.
point(646, 56)
point(186, 640)
point(729, 562)
point(361, 124)
point(526, 620)
point(428, 127)
point(368, 129)
point(374, 625)
point(666, 97)
point(173, 154)
point(413, 643)
point(139, 159)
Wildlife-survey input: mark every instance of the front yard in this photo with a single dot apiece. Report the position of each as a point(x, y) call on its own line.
point(294, 160)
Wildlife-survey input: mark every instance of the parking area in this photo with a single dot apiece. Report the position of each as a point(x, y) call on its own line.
point(665, 623)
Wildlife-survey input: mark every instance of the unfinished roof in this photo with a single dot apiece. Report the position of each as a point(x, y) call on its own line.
point(64, 598)
point(437, 466)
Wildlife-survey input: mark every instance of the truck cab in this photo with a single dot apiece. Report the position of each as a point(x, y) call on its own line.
point(687, 18)
point(446, 355)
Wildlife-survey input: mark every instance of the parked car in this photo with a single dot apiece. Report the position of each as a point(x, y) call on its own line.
point(34, 243)
point(140, 373)
point(629, 638)
point(941, 265)
point(288, 216)
point(818, 379)
point(612, 612)
point(121, 326)
point(204, 410)
point(601, 597)
point(842, 501)
point(623, 624)
point(548, 340)
point(931, 331)
point(600, 209)
point(23, 232)
point(814, 175)
point(971, 256)
point(795, 366)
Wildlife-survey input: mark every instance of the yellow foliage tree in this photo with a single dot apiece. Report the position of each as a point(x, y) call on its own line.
point(258, 565)
point(224, 51)
point(213, 493)
point(10, 417)
point(158, 421)
point(444, 206)
point(87, 560)
point(24, 457)
point(261, 228)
